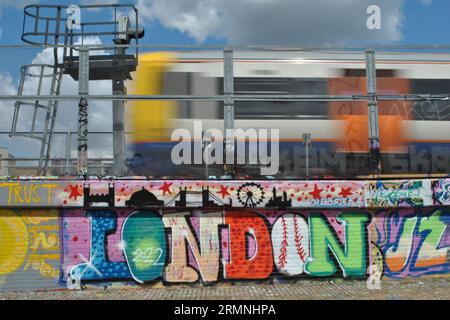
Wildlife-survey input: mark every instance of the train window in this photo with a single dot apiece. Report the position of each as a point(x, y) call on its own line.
point(195, 84)
point(430, 110)
point(381, 73)
point(178, 83)
point(278, 109)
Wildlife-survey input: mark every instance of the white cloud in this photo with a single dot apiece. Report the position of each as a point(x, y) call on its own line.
point(291, 22)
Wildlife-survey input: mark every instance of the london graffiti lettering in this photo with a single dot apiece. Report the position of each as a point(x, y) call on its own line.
point(138, 232)
point(211, 246)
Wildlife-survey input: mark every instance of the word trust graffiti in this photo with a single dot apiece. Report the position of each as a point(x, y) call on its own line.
point(40, 193)
point(27, 193)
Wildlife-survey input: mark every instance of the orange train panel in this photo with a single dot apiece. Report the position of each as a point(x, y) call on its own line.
point(354, 136)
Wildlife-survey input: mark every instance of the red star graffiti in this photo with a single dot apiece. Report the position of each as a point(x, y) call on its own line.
point(166, 188)
point(74, 192)
point(345, 192)
point(316, 192)
point(223, 191)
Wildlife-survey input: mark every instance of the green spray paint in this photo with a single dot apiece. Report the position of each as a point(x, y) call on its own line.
point(351, 256)
point(144, 245)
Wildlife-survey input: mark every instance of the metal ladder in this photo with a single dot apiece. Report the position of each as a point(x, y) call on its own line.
point(46, 75)
point(43, 73)
point(49, 125)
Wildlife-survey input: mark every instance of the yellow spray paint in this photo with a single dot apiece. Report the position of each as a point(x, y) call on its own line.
point(13, 232)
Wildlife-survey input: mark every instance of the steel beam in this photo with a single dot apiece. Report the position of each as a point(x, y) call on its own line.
point(68, 145)
point(228, 112)
point(239, 97)
point(119, 168)
point(83, 91)
point(374, 131)
point(371, 80)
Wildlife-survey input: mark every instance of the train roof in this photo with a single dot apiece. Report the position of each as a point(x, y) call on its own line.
point(311, 64)
point(314, 55)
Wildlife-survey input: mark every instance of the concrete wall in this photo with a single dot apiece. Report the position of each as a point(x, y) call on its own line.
point(51, 238)
point(4, 169)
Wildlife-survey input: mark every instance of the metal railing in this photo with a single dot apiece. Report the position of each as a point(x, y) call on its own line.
point(229, 96)
point(43, 23)
point(63, 165)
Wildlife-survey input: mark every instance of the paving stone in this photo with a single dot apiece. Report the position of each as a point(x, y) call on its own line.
point(433, 288)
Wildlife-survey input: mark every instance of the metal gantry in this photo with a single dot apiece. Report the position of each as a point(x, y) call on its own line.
point(55, 26)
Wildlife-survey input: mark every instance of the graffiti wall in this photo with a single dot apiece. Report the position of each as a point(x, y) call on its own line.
point(30, 249)
point(169, 232)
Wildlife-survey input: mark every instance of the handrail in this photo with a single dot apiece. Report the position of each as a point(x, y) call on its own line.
point(40, 19)
point(237, 97)
point(249, 47)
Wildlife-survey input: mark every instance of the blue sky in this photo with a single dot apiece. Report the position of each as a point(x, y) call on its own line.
point(423, 22)
point(426, 24)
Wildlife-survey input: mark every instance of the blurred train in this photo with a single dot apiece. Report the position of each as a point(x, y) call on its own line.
point(414, 136)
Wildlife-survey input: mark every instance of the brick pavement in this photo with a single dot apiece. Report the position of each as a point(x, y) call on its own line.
point(432, 288)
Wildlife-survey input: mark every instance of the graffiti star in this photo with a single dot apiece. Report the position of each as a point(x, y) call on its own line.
point(89, 264)
point(74, 192)
point(223, 191)
point(316, 192)
point(77, 272)
point(166, 188)
point(345, 192)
